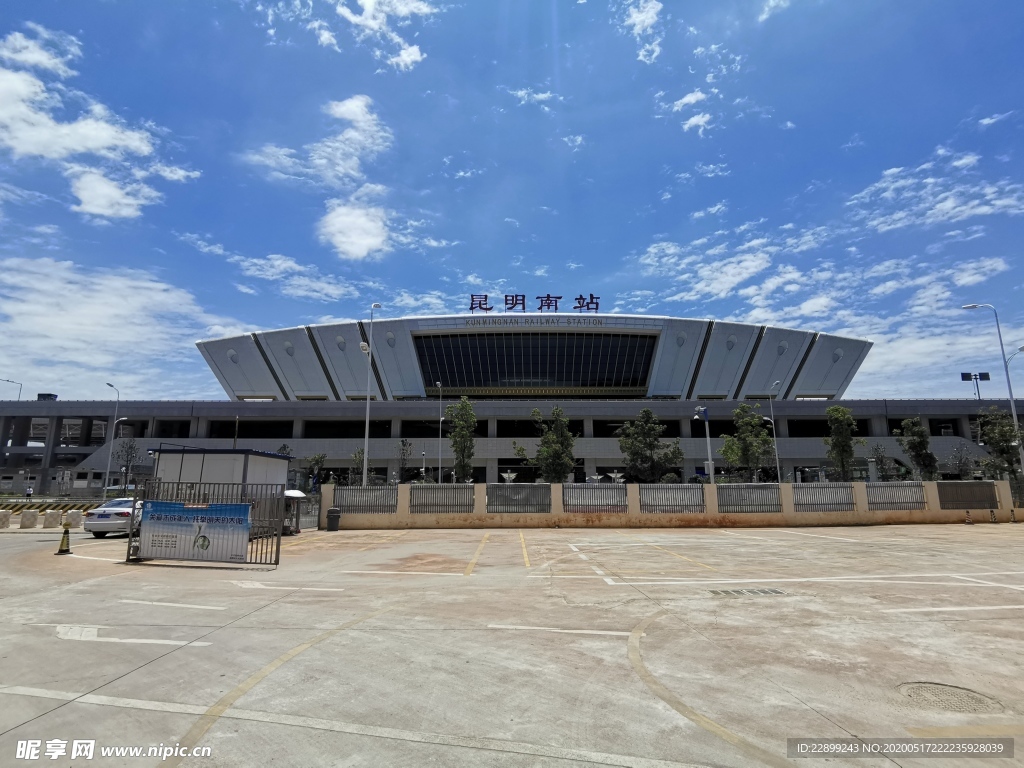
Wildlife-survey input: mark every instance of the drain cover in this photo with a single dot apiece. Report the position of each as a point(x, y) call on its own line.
point(949, 697)
point(745, 592)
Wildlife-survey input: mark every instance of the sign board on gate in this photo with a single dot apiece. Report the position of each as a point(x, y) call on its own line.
point(173, 530)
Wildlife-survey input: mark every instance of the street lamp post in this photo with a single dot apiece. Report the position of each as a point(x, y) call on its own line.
point(1009, 386)
point(440, 421)
point(15, 382)
point(113, 434)
point(423, 472)
point(1019, 350)
point(775, 433)
point(369, 368)
point(702, 412)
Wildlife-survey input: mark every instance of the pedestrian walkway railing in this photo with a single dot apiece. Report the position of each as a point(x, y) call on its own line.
point(427, 499)
point(905, 495)
point(519, 498)
point(368, 500)
point(967, 495)
point(682, 499)
point(823, 497)
point(595, 498)
point(748, 497)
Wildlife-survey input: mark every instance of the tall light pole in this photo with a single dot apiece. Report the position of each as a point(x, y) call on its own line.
point(775, 433)
point(440, 422)
point(700, 411)
point(15, 382)
point(1009, 386)
point(1019, 350)
point(369, 368)
point(113, 434)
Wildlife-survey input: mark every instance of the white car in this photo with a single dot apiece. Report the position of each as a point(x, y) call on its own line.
point(111, 517)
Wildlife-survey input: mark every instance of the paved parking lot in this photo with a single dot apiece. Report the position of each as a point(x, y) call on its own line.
point(520, 648)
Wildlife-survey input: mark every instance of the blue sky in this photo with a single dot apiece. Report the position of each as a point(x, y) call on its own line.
point(177, 171)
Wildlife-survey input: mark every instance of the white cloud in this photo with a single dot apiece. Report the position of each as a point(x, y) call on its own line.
point(718, 279)
point(641, 21)
point(355, 230)
point(789, 125)
point(694, 97)
point(168, 172)
point(701, 122)
point(246, 289)
point(575, 142)
point(977, 271)
point(50, 51)
point(711, 170)
point(324, 36)
point(101, 196)
point(985, 122)
point(407, 58)
point(529, 96)
point(772, 7)
point(337, 160)
point(715, 210)
point(966, 160)
point(75, 346)
point(854, 142)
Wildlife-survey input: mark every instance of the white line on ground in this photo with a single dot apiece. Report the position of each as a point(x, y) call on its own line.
point(175, 605)
point(583, 557)
point(573, 548)
point(404, 573)
point(260, 585)
point(597, 570)
point(105, 559)
point(818, 536)
point(380, 732)
point(989, 583)
point(563, 631)
point(957, 608)
point(68, 632)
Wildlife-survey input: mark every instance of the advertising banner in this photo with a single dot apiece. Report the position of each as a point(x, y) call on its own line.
point(173, 530)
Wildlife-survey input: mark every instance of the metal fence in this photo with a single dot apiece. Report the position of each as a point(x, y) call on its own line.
point(266, 514)
point(672, 499)
point(1017, 489)
point(441, 499)
point(368, 500)
point(907, 496)
point(957, 494)
point(519, 498)
point(748, 497)
point(594, 498)
point(823, 497)
point(307, 513)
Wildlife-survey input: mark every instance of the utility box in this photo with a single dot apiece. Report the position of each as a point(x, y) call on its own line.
point(228, 465)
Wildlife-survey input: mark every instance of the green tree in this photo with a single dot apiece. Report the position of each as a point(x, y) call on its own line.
point(752, 445)
point(886, 467)
point(646, 456)
point(404, 452)
point(913, 439)
point(315, 465)
point(127, 457)
point(841, 442)
point(462, 434)
point(554, 459)
point(961, 462)
point(1000, 439)
point(355, 472)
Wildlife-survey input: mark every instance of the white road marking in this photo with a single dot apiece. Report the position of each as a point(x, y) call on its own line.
point(573, 548)
point(583, 557)
point(357, 729)
point(562, 631)
point(404, 573)
point(958, 608)
point(104, 559)
point(989, 583)
point(597, 570)
point(818, 536)
point(175, 605)
point(261, 585)
point(68, 632)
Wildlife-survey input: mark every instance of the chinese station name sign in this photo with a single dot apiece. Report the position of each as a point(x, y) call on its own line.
point(516, 302)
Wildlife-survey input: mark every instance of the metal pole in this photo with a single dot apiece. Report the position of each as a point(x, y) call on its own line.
point(369, 367)
point(977, 387)
point(775, 434)
point(440, 421)
point(1009, 386)
point(110, 452)
point(19, 386)
point(703, 411)
point(423, 472)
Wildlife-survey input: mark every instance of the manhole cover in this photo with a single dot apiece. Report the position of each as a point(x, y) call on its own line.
point(949, 697)
point(745, 592)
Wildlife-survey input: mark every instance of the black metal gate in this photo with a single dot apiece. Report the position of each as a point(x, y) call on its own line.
point(266, 504)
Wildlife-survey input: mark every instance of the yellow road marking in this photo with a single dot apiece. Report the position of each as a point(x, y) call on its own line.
point(472, 563)
point(526, 557)
point(207, 720)
point(669, 551)
point(663, 693)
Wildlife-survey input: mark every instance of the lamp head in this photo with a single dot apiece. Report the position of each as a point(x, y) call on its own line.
point(375, 305)
point(364, 347)
point(776, 384)
point(970, 306)
point(111, 385)
point(438, 383)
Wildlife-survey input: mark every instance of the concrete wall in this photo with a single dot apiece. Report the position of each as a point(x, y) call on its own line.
point(711, 518)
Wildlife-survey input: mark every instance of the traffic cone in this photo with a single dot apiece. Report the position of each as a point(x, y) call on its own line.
point(968, 521)
point(992, 516)
point(65, 541)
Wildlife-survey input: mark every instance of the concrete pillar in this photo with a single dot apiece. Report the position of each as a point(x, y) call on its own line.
point(556, 499)
point(196, 427)
point(711, 498)
point(6, 425)
point(492, 427)
point(588, 427)
point(786, 498)
point(590, 466)
point(685, 428)
point(782, 424)
point(404, 500)
point(86, 433)
point(931, 496)
point(632, 499)
point(879, 426)
point(22, 427)
point(49, 453)
point(860, 498)
point(480, 499)
point(396, 428)
point(297, 426)
point(492, 471)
